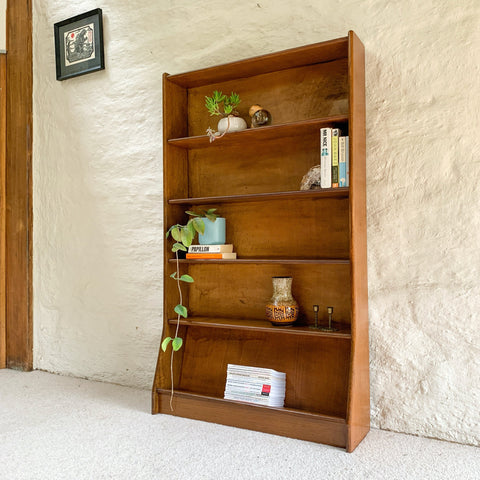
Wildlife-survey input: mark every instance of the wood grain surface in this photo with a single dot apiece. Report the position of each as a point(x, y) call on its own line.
point(19, 243)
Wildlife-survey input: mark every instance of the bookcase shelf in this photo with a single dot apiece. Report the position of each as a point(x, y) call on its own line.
point(317, 237)
point(341, 192)
point(279, 261)
point(342, 332)
point(260, 135)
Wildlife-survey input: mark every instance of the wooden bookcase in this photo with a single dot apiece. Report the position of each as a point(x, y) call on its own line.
point(318, 237)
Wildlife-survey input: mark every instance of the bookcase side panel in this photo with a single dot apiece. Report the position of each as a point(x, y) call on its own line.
point(358, 415)
point(174, 184)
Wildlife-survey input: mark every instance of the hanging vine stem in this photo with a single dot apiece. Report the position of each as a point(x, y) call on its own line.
point(176, 330)
point(213, 135)
point(183, 236)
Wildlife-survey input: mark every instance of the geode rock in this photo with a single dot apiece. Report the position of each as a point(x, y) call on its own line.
point(311, 179)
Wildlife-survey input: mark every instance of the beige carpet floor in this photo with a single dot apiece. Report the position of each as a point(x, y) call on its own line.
point(54, 427)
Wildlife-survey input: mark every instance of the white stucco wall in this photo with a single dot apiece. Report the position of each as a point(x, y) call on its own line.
point(97, 189)
point(3, 25)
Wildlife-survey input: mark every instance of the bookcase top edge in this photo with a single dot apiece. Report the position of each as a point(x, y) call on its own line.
point(320, 52)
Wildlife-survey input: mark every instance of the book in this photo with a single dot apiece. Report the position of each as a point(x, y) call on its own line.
point(227, 248)
point(335, 136)
point(260, 386)
point(212, 256)
point(342, 166)
point(326, 157)
point(347, 161)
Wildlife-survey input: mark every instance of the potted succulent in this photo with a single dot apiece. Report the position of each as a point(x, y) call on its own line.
point(225, 106)
point(183, 236)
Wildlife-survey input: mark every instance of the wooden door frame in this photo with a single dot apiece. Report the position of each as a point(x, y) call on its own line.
point(3, 208)
point(16, 246)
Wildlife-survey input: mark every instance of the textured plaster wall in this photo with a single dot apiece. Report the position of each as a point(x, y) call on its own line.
point(97, 189)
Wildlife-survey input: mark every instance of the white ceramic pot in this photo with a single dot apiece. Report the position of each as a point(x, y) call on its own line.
point(234, 124)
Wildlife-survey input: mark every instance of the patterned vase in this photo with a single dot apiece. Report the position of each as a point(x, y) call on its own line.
point(282, 308)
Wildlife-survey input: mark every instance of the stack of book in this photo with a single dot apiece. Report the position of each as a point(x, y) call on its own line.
point(261, 386)
point(213, 252)
point(334, 159)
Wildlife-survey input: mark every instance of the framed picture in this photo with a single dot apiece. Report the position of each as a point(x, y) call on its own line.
point(79, 45)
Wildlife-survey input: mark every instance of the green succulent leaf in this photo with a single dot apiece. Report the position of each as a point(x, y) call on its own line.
point(186, 278)
point(174, 275)
point(234, 99)
point(177, 344)
point(165, 343)
point(181, 310)
point(229, 103)
point(218, 96)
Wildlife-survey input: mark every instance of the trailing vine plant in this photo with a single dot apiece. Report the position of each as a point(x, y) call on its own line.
point(183, 235)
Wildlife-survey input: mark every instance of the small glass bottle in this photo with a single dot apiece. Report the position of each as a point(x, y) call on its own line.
point(260, 116)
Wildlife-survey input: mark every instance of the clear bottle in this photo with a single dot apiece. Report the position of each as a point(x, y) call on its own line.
point(260, 116)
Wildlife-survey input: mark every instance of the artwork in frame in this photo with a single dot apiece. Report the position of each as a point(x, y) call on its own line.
point(79, 45)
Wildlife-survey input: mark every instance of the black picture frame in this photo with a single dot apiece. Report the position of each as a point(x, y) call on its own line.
point(79, 45)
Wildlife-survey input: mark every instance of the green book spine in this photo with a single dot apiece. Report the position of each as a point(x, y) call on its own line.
point(335, 135)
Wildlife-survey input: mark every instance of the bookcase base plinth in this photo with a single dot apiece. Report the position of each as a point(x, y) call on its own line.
point(278, 421)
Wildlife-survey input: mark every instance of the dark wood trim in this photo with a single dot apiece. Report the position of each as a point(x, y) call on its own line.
point(3, 208)
point(19, 186)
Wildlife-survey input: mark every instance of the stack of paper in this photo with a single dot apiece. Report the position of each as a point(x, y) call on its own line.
point(262, 386)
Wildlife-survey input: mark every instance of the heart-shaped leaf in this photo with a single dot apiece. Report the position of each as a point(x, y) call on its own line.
point(177, 344)
point(187, 236)
point(176, 234)
point(199, 225)
point(181, 310)
point(186, 278)
point(165, 343)
point(178, 246)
